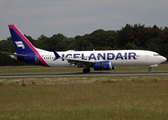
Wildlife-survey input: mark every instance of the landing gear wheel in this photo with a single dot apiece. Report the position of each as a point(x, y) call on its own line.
point(150, 69)
point(86, 70)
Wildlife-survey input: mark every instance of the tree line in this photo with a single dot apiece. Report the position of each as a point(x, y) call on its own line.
point(128, 37)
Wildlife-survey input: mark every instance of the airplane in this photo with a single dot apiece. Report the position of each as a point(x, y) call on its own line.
point(99, 60)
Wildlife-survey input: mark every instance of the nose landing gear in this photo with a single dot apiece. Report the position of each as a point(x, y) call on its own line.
point(151, 66)
point(150, 69)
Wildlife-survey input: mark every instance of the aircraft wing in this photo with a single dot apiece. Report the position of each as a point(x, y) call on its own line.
point(74, 62)
point(80, 63)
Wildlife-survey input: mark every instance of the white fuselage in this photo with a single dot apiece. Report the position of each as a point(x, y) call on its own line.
point(117, 57)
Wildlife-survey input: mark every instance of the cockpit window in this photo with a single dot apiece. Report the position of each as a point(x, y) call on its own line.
point(155, 54)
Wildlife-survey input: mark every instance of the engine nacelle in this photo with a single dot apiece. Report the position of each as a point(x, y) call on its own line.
point(104, 65)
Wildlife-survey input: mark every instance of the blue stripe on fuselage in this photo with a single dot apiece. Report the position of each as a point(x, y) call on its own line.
point(31, 58)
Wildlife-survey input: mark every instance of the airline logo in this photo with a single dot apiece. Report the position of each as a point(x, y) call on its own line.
point(20, 44)
point(102, 56)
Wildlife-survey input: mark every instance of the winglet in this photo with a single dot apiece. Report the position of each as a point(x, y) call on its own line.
point(56, 55)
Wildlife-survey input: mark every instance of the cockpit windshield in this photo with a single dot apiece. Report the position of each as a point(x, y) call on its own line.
point(155, 54)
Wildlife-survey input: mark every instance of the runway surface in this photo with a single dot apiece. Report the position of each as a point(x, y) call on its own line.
point(28, 75)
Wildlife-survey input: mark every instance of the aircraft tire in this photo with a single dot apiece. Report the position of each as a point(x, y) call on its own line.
point(86, 70)
point(150, 69)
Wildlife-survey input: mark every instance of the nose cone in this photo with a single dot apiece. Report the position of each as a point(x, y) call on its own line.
point(162, 59)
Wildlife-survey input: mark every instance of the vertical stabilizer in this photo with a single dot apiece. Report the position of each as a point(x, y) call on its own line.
point(24, 47)
point(21, 44)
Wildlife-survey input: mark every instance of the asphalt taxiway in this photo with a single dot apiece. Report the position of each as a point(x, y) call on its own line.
point(30, 75)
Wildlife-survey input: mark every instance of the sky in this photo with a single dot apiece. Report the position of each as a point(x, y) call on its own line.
point(79, 17)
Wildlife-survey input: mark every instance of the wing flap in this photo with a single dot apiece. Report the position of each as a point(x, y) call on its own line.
point(80, 63)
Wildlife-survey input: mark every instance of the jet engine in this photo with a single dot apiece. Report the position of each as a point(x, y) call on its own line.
point(104, 65)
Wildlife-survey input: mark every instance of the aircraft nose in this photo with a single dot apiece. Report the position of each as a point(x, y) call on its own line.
point(162, 59)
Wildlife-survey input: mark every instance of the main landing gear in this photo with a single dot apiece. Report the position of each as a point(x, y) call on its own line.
point(86, 70)
point(150, 69)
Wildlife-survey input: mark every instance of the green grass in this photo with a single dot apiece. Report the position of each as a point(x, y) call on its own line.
point(119, 98)
point(41, 69)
